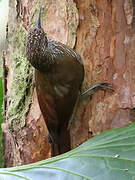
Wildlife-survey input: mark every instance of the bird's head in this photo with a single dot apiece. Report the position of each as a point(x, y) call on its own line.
point(36, 42)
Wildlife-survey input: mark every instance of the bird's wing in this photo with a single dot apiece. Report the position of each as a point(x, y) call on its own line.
point(58, 49)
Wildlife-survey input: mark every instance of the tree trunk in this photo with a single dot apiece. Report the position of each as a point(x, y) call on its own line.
point(102, 32)
point(25, 133)
point(105, 40)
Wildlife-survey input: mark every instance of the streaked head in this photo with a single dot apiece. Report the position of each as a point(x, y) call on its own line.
point(36, 41)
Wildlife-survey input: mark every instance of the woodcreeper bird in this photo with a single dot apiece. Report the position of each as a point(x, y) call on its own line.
point(59, 73)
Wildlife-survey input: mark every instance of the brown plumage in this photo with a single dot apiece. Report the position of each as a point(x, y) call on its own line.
point(58, 77)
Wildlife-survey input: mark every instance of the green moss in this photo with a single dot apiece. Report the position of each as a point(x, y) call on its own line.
point(72, 13)
point(22, 84)
point(21, 88)
point(18, 41)
point(73, 28)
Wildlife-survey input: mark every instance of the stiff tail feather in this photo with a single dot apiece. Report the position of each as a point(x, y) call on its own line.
point(63, 143)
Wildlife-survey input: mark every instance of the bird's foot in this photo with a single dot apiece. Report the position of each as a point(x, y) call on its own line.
point(97, 86)
point(90, 91)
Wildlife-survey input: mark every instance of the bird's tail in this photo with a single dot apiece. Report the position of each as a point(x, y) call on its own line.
point(63, 143)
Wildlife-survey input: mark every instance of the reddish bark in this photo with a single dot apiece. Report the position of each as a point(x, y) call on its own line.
point(105, 40)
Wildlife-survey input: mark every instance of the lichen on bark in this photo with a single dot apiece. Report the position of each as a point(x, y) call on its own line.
point(73, 22)
point(21, 88)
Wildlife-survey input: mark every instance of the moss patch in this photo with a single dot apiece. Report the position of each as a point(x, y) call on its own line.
point(72, 20)
point(21, 88)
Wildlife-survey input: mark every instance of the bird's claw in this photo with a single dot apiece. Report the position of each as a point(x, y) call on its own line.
point(102, 85)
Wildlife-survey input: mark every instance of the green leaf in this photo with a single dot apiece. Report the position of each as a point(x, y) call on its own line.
point(108, 156)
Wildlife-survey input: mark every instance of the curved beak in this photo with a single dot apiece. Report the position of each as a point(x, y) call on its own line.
point(38, 25)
